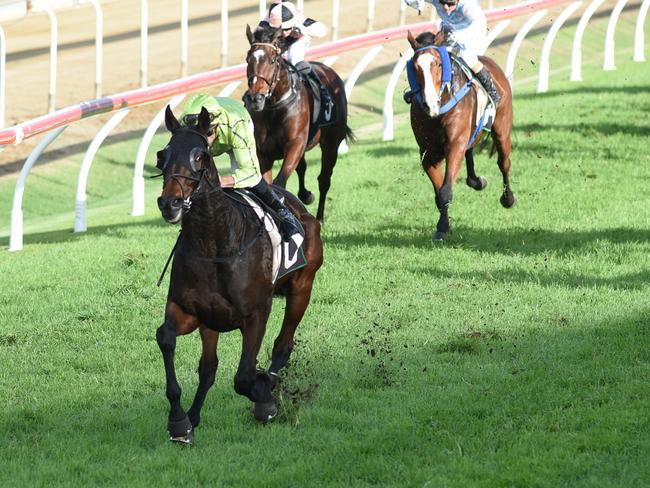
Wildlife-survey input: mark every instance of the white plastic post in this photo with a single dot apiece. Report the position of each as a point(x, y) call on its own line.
point(16, 236)
point(329, 61)
point(229, 88)
point(138, 173)
point(300, 5)
point(262, 9)
point(402, 13)
point(144, 46)
point(495, 31)
point(336, 9)
point(544, 63)
point(352, 79)
point(3, 66)
point(45, 6)
point(608, 64)
point(224, 33)
point(387, 132)
point(82, 182)
point(371, 15)
point(184, 36)
point(516, 43)
point(576, 55)
point(99, 52)
point(638, 32)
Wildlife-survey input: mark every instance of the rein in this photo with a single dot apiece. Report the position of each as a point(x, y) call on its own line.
point(276, 78)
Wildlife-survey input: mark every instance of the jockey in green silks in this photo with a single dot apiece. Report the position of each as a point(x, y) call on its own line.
point(232, 133)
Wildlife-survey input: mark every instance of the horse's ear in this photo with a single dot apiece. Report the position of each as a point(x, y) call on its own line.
point(249, 34)
point(170, 120)
point(411, 40)
point(204, 121)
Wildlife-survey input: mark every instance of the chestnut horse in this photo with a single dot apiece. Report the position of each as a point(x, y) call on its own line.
point(449, 135)
point(281, 108)
point(222, 276)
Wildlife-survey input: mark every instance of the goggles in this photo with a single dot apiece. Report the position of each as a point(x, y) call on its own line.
point(190, 120)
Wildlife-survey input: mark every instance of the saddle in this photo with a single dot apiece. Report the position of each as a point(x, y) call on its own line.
point(288, 256)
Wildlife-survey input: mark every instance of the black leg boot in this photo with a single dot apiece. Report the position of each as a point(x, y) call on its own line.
point(288, 223)
point(325, 98)
point(485, 78)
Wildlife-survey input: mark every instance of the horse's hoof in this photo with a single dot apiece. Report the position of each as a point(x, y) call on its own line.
point(508, 200)
point(265, 411)
point(307, 198)
point(478, 184)
point(181, 431)
point(439, 236)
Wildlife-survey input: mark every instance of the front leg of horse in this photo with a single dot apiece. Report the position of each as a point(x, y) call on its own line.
point(304, 194)
point(207, 371)
point(292, 157)
point(252, 383)
point(178, 425)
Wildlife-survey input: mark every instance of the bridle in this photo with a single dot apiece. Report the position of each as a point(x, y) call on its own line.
point(276, 61)
point(446, 83)
point(196, 174)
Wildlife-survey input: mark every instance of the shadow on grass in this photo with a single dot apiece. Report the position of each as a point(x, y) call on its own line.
point(67, 235)
point(527, 242)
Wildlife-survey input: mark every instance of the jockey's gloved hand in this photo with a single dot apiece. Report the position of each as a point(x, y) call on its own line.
point(416, 4)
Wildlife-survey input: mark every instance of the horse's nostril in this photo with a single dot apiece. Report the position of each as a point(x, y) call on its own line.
point(176, 203)
point(258, 97)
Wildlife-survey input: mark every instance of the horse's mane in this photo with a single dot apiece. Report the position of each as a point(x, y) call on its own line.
point(425, 38)
point(265, 33)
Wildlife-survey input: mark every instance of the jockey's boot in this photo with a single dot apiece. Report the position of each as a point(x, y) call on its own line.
point(408, 96)
point(325, 98)
point(288, 223)
point(485, 78)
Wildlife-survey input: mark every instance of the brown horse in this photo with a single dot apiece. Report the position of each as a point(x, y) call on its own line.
point(221, 278)
point(281, 108)
point(449, 135)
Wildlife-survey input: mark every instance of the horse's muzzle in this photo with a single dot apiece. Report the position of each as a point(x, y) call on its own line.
point(256, 102)
point(171, 209)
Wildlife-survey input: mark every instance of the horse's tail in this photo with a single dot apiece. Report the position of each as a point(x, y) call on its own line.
point(349, 135)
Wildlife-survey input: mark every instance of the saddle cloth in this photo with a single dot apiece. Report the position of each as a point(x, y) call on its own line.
point(484, 106)
point(321, 116)
point(288, 256)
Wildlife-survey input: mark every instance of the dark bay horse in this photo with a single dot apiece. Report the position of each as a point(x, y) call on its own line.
point(281, 107)
point(449, 135)
point(221, 277)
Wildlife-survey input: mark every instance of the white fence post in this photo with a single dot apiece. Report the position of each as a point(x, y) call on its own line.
point(99, 52)
point(352, 79)
point(82, 182)
point(387, 132)
point(608, 63)
point(16, 237)
point(402, 13)
point(262, 9)
point(144, 42)
point(495, 31)
point(3, 65)
point(544, 63)
point(184, 36)
point(638, 32)
point(224, 33)
point(336, 8)
point(371, 15)
point(54, 35)
point(516, 43)
point(576, 55)
point(138, 173)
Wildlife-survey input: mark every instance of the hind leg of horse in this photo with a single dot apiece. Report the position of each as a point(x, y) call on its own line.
point(176, 323)
point(250, 382)
point(473, 181)
point(304, 194)
point(329, 154)
point(296, 305)
point(503, 146)
point(207, 371)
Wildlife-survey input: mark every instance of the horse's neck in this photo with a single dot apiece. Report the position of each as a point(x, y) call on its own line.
point(285, 87)
point(211, 221)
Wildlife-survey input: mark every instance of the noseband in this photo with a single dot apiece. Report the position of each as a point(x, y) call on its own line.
point(276, 72)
